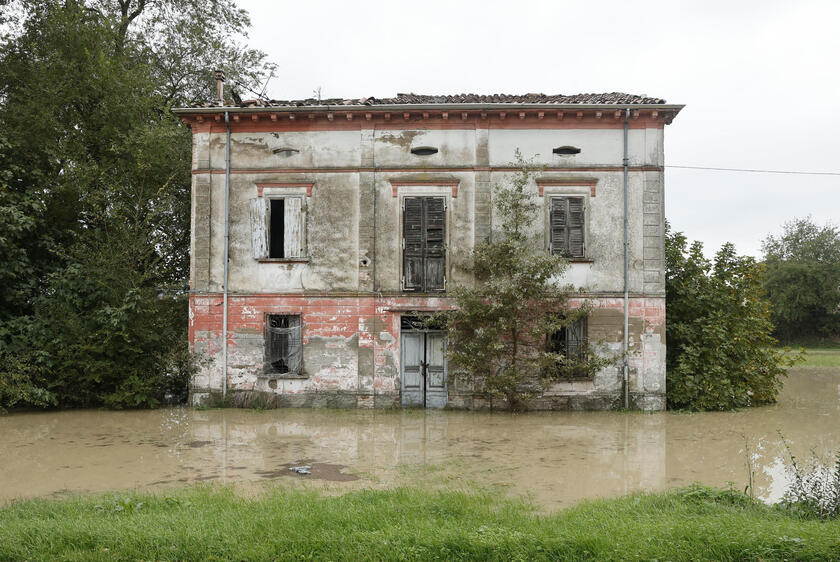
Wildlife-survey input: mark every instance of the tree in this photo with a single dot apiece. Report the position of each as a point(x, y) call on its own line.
point(803, 280)
point(501, 325)
point(95, 191)
point(721, 352)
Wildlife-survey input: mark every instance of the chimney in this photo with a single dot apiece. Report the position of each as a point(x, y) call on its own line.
point(220, 86)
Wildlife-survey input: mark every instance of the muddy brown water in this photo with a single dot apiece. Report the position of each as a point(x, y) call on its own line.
point(557, 458)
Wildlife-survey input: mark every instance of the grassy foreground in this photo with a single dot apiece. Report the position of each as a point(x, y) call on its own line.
point(207, 523)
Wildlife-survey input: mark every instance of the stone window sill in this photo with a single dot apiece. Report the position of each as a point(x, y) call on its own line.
point(283, 376)
point(580, 260)
point(284, 260)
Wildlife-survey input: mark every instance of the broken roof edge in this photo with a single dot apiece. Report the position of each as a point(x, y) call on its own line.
point(396, 108)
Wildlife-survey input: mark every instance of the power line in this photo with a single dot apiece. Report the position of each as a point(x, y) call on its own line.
point(796, 172)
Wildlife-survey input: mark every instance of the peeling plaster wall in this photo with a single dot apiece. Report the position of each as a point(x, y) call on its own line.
point(348, 291)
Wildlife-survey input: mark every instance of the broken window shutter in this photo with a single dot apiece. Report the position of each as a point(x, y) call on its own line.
point(292, 228)
point(295, 357)
point(576, 225)
point(259, 241)
point(576, 339)
point(435, 240)
point(559, 225)
point(413, 244)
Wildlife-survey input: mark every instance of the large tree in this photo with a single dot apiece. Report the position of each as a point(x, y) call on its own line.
point(503, 331)
point(721, 351)
point(95, 190)
point(803, 280)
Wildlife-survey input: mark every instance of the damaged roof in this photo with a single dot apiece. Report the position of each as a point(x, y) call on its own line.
point(613, 98)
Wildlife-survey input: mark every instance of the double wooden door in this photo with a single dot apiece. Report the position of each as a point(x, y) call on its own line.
point(423, 369)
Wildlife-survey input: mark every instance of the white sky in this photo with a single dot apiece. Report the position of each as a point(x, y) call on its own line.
point(760, 80)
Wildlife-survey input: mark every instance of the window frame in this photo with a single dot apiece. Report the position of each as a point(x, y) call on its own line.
point(582, 343)
point(265, 202)
point(441, 192)
point(553, 186)
point(550, 199)
point(267, 371)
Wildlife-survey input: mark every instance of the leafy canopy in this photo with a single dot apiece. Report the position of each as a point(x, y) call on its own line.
point(95, 192)
point(721, 352)
point(803, 280)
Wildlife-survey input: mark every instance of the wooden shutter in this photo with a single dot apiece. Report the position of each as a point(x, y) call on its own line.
point(576, 339)
point(567, 224)
point(424, 239)
point(576, 226)
point(413, 236)
point(293, 227)
point(434, 266)
point(259, 240)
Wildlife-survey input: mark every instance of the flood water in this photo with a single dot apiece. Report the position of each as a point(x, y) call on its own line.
point(557, 458)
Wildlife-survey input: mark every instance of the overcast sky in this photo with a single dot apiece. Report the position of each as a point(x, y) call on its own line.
point(760, 80)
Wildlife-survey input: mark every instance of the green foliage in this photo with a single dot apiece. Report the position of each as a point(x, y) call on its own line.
point(721, 352)
point(95, 193)
point(803, 280)
point(497, 332)
point(214, 523)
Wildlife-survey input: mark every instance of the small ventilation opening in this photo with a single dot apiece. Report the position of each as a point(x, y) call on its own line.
point(566, 150)
point(285, 151)
point(424, 150)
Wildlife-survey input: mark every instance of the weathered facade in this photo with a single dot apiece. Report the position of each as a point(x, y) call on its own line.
point(347, 219)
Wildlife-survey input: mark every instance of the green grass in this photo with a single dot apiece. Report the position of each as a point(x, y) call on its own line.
point(207, 523)
point(822, 357)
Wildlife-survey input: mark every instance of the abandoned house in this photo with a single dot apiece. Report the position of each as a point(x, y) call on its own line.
point(322, 230)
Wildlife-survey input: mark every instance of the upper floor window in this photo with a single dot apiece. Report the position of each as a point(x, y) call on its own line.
point(567, 227)
point(424, 239)
point(277, 227)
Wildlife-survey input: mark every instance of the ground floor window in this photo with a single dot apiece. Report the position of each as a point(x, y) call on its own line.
point(283, 346)
point(571, 342)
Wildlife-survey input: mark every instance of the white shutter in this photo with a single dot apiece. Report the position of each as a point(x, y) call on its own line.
point(259, 241)
point(292, 228)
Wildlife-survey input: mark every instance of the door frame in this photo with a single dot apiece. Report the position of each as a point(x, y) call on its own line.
point(423, 363)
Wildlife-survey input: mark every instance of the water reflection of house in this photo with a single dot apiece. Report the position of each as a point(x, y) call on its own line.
point(347, 218)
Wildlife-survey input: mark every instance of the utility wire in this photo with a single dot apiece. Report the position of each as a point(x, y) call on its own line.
point(756, 171)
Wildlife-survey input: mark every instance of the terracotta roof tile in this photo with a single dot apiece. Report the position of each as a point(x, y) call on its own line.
point(402, 99)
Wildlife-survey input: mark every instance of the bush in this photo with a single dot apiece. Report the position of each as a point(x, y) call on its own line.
point(721, 352)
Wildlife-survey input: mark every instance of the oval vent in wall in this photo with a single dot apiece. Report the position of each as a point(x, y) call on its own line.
point(566, 150)
point(424, 150)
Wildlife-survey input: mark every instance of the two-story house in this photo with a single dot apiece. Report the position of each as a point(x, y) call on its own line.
point(322, 230)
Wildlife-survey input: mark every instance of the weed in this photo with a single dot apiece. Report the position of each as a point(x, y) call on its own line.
point(814, 491)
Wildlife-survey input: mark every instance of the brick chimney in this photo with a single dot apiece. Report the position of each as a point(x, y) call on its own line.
point(220, 86)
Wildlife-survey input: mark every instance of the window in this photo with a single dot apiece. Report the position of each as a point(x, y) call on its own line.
point(567, 226)
point(424, 239)
point(571, 342)
point(283, 347)
point(277, 227)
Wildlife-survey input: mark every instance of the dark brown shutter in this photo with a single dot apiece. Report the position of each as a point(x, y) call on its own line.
point(435, 257)
point(559, 223)
point(424, 238)
point(567, 225)
point(576, 225)
point(413, 234)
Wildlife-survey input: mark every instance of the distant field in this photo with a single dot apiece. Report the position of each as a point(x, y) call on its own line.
point(822, 357)
point(215, 523)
